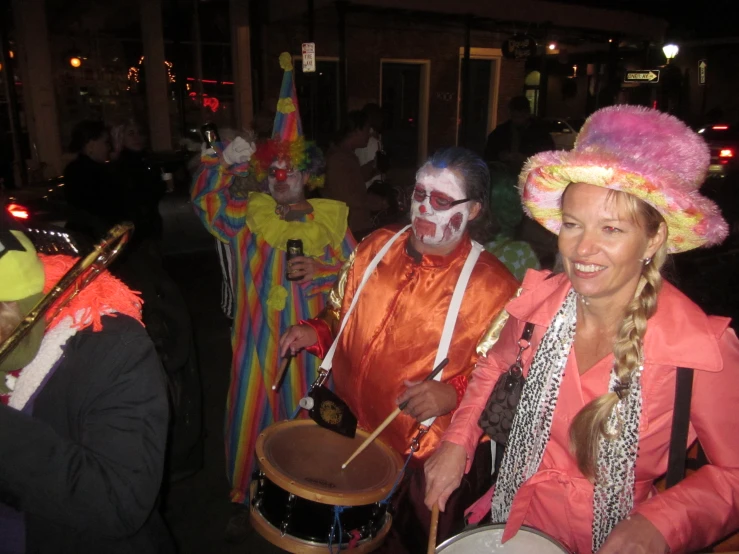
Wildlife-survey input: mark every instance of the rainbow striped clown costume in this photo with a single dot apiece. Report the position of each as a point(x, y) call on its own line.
point(267, 304)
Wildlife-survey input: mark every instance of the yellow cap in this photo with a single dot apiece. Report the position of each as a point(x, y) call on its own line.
point(21, 270)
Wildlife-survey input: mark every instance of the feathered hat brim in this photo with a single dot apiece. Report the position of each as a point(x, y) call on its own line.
point(607, 155)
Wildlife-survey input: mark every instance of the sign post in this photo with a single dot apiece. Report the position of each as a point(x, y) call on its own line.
point(309, 57)
point(702, 65)
point(642, 76)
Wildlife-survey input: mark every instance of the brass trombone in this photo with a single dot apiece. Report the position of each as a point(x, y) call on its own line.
point(82, 273)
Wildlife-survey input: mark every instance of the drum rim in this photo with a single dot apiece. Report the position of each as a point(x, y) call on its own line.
point(316, 494)
point(481, 528)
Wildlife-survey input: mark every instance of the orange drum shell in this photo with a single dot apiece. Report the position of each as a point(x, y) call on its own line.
point(335, 449)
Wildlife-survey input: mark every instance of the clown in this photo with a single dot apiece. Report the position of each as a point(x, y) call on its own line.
point(439, 210)
point(404, 322)
point(256, 228)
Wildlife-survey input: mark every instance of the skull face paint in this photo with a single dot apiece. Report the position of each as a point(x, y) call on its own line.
point(285, 185)
point(432, 226)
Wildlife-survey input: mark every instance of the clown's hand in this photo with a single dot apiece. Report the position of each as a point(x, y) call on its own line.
point(238, 151)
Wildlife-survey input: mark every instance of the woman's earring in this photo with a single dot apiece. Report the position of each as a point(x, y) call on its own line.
point(647, 261)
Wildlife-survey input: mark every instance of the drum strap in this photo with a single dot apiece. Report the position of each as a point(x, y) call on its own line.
point(329, 359)
point(451, 316)
point(680, 426)
point(453, 312)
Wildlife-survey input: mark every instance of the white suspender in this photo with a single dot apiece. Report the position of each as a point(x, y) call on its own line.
point(328, 360)
point(453, 312)
point(451, 316)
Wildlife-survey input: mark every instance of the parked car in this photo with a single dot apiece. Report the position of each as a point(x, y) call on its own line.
point(563, 132)
point(38, 204)
point(723, 140)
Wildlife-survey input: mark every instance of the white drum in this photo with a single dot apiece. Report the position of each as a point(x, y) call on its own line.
point(486, 539)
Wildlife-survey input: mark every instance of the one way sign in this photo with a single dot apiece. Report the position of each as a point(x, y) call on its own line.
point(642, 76)
point(702, 72)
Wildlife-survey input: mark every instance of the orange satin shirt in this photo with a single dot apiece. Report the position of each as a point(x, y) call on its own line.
point(394, 331)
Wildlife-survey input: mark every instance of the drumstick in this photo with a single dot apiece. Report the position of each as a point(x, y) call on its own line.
point(281, 374)
point(434, 527)
point(389, 419)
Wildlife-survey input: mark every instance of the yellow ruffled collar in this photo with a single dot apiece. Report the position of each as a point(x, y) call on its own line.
point(328, 226)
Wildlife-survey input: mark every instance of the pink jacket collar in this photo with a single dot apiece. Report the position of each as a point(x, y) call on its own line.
point(680, 334)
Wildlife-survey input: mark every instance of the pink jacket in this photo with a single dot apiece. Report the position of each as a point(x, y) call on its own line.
point(558, 498)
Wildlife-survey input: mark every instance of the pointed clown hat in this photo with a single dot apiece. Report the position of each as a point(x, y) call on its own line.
point(288, 143)
point(643, 152)
point(287, 124)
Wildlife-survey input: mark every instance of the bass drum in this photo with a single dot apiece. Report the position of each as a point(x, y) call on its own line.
point(303, 502)
point(486, 539)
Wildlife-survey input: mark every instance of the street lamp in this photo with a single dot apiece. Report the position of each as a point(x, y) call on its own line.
point(670, 51)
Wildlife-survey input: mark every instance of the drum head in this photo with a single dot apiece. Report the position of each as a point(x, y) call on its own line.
point(487, 540)
point(305, 459)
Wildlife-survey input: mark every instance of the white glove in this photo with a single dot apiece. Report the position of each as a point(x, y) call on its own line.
point(238, 151)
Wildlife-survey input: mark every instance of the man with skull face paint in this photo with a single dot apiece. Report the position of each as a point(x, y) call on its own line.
point(394, 335)
point(257, 228)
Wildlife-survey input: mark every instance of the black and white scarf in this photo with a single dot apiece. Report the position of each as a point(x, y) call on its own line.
point(613, 498)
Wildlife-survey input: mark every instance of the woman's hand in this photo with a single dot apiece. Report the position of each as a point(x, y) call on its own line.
point(635, 535)
point(444, 471)
point(428, 399)
point(302, 267)
point(297, 338)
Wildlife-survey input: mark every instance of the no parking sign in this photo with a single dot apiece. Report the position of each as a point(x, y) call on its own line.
point(309, 57)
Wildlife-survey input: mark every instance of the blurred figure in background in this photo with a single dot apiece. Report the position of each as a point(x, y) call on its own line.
point(344, 178)
point(508, 147)
point(518, 138)
point(96, 198)
point(144, 187)
point(368, 156)
point(516, 255)
point(141, 266)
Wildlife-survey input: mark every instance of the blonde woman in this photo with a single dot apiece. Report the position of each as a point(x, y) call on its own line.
point(592, 430)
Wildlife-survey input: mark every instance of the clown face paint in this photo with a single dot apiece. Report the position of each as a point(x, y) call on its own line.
point(433, 226)
point(285, 185)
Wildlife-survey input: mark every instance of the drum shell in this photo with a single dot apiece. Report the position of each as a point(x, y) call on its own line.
point(312, 521)
point(300, 484)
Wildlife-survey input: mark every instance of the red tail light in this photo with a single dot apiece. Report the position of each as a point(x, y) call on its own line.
point(18, 211)
point(726, 153)
point(720, 127)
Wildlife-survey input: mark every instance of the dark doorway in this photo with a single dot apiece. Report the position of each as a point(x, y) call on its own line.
point(401, 88)
point(481, 72)
point(320, 125)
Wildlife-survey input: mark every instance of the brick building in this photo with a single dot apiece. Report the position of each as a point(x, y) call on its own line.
point(390, 48)
point(436, 66)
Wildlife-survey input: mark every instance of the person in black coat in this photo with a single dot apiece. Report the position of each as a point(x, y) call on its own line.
point(143, 185)
point(95, 196)
point(83, 424)
point(512, 142)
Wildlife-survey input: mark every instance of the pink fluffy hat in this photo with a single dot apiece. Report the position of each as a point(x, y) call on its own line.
point(637, 150)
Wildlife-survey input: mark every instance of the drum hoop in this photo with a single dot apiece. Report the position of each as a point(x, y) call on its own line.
point(481, 528)
point(316, 494)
